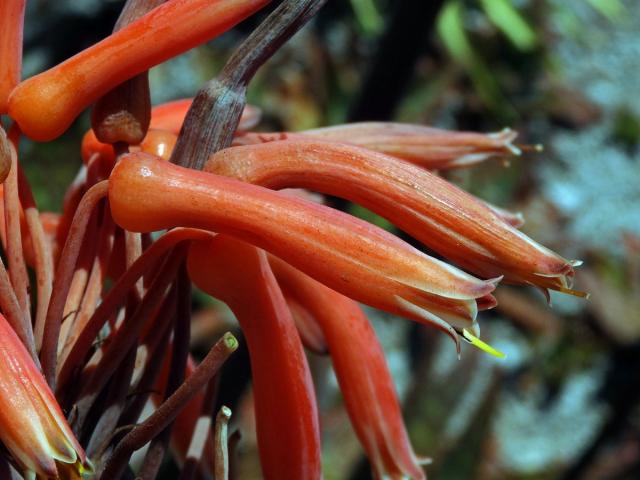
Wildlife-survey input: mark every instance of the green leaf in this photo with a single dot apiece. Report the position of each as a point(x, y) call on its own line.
point(612, 9)
point(451, 30)
point(510, 22)
point(368, 16)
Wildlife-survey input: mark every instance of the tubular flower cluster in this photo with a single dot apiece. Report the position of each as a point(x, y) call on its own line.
point(286, 412)
point(359, 364)
point(71, 86)
point(112, 300)
point(347, 254)
point(434, 211)
point(34, 429)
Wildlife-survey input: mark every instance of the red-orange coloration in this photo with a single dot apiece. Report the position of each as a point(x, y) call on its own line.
point(428, 147)
point(349, 255)
point(34, 428)
point(361, 370)
point(286, 412)
point(168, 30)
point(168, 118)
point(434, 211)
point(11, 25)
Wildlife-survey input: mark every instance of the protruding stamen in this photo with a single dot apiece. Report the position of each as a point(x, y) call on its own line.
point(485, 347)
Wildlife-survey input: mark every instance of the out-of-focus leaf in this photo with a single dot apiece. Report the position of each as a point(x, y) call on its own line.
point(510, 22)
point(626, 128)
point(612, 9)
point(454, 36)
point(368, 16)
point(451, 31)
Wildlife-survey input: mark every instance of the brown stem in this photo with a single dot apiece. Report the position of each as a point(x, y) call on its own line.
point(124, 113)
point(118, 292)
point(94, 284)
point(108, 421)
point(179, 357)
point(201, 437)
point(214, 115)
point(14, 252)
point(156, 344)
point(168, 411)
point(5, 155)
point(127, 335)
point(145, 386)
point(133, 250)
point(64, 273)
point(79, 278)
point(12, 312)
point(42, 253)
point(133, 10)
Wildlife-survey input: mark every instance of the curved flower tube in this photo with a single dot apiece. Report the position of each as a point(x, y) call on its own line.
point(49, 221)
point(362, 372)
point(11, 25)
point(168, 30)
point(307, 326)
point(434, 211)
point(347, 254)
point(428, 147)
point(166, 120)
point(515, 219)
point(286, 412)
point(34, 429)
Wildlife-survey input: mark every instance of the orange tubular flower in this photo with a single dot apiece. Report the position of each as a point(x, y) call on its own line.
point(361, 369)
point(11, 24)
point(33, 427)
point(439, 214)
point(286, 412)
point(349, 255)
point(428, 147)
point(168, 30)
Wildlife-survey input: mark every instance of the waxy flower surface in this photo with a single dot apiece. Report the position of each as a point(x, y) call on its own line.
point(96, 300)
point(34, 428)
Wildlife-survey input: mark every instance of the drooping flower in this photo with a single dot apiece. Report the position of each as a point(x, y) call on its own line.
point(428, 147)
point(442, 216)
point(32, 425)
point(358, 361)
point(286, 412)
point(347, 254)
